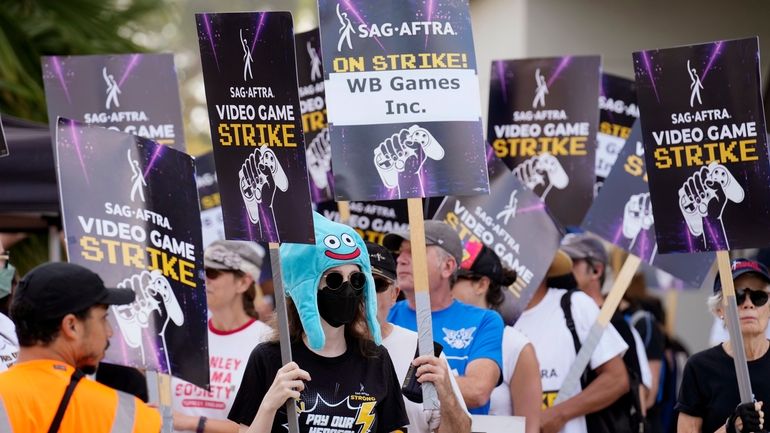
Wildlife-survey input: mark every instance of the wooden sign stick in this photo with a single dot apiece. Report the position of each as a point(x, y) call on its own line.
point(283, 327)
point(572, 380)
point(734, 327)
point(344, 209)
point(421, 293)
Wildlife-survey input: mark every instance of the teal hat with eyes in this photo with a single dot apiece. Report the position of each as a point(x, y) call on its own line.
point(302, 266)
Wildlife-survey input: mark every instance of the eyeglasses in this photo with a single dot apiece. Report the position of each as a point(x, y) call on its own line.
point(213, 274)
point(334, 280)
point(758, 297)
point(382, 284)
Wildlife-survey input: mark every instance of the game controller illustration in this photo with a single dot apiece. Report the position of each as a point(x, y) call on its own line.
point(400, 157)
point(319, 156)
point(541, 173)
point(260, 175)
point(153, 295)
point(704, 196)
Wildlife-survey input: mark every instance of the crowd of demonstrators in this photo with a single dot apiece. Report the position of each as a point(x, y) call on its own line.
point(555, 321)
point(232, 269)
point(482, 282)
point(472, 336)
point(60, 313)
point(401, 344)
point(709, 399)
point(341, 305)
point(339, 370)
point(589, 267)
point(9, 343)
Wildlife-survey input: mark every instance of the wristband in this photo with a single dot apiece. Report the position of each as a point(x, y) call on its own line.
point(201, 425)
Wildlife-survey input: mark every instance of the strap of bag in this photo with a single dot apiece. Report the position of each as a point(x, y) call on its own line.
point(65, 400)
point(566, 306)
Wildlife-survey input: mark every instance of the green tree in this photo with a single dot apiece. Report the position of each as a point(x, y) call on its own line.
point(30, 29)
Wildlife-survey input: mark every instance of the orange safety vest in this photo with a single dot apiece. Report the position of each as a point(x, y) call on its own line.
point(30, 393)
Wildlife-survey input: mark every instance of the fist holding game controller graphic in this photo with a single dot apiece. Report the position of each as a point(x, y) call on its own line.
point(152, 290)
point(260, 175)
point(704, 196)
point(542, 172)
point(637, 216)
point(319, 156)
point(400, 157)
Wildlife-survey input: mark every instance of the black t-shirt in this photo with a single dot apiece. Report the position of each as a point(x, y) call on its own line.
point(350, 393)
point(710, 388)
point(652, 336)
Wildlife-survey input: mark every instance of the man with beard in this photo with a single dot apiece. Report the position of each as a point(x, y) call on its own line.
point(60, 312)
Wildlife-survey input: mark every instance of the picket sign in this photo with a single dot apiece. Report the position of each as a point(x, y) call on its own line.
point(734, 326)
point(571, 382)
point(421, 293)
point(283, 327)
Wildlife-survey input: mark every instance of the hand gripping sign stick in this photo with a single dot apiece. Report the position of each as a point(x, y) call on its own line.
point(421, 294)
point(734, 327)
point(283, 327)
point(572, 380)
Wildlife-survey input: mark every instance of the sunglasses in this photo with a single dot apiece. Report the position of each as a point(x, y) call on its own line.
point(213, 274)
point(381, 284)
point(758, 297)
point(334, 280)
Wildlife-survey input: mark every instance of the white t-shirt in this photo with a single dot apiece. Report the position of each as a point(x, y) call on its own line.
point(228, 353)
point(9, 344)
point(545, 326)
point(513, 343)
point(402, 345)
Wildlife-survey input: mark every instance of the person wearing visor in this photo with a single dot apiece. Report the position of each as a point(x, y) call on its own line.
point(708, 398)
point(60, 312)
point(453, 417)
point(341, 379)
point(232, 270)
point(481, 281)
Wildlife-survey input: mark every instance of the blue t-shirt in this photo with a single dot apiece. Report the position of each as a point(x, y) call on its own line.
point(465, 331)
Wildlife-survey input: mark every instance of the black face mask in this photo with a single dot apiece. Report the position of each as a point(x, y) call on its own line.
point(338, 307)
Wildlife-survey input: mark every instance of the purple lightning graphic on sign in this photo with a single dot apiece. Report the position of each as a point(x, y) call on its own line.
point(211, 38)
point(562, 64)
point(76, 142)
point(60, 76)
point(648, 68)
point(714, 53)
point(134, 60)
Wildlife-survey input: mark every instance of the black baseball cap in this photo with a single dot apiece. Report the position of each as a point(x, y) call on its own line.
point(382, 261)
point(743, 267)
point(486, 263)
point(58, 288)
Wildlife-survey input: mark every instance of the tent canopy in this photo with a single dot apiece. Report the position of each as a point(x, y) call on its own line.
point(29, 197)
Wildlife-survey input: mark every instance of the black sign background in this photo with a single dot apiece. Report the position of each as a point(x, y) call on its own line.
point(512, 221)
point(622, 215)
point(233, 81)
point(617, 113)
point(145, 103)
point(310, 78)
point(141, 231)
point(676, 104)
point(572, 90)
point(365, 127)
